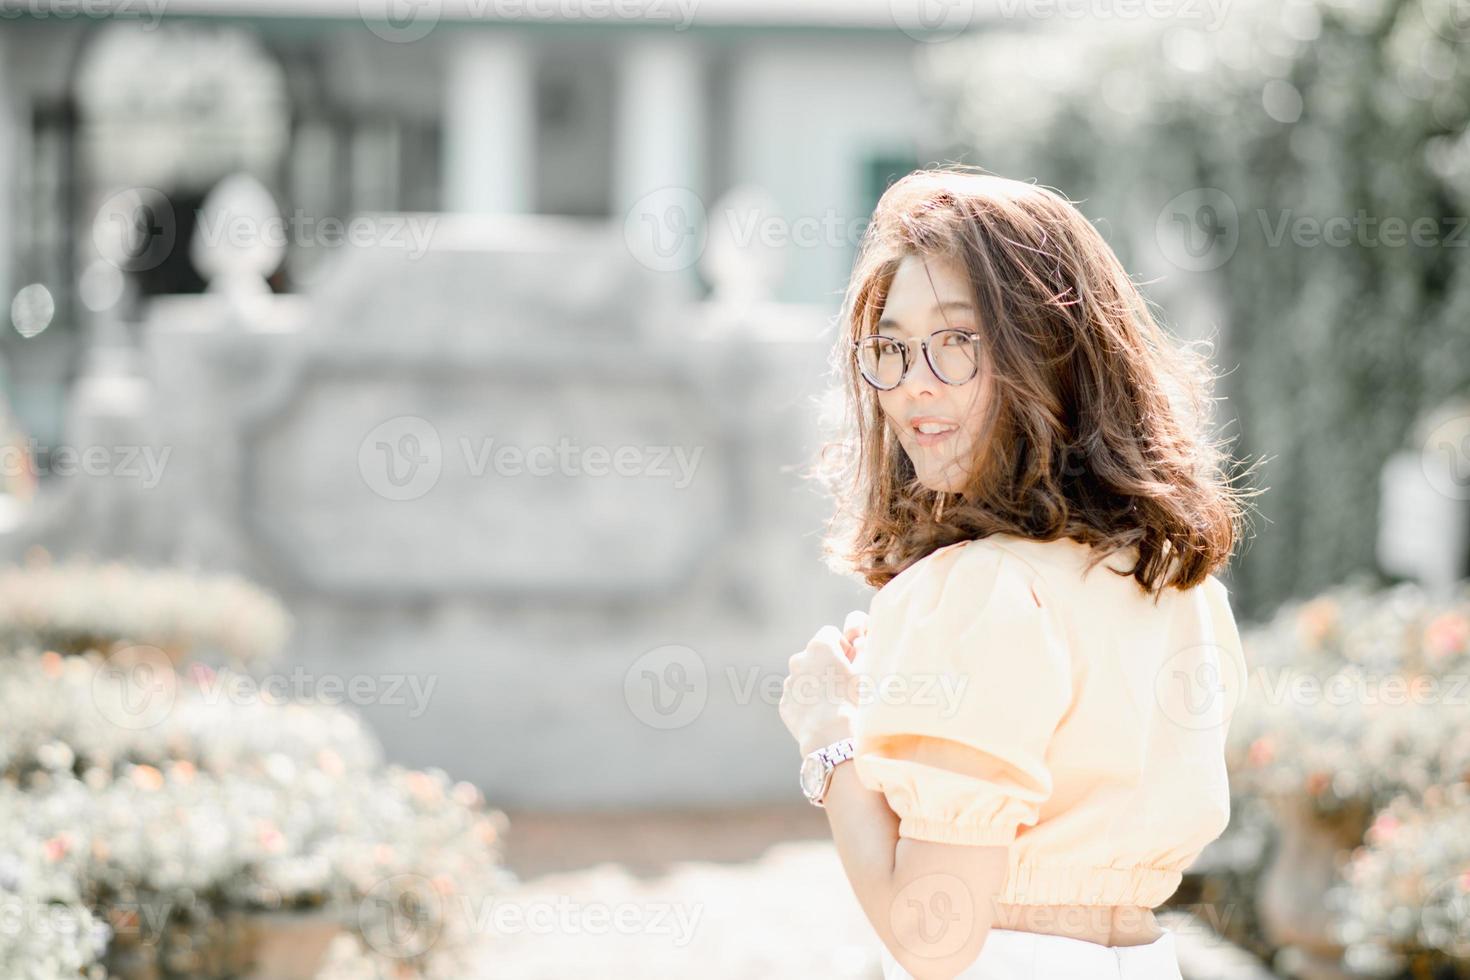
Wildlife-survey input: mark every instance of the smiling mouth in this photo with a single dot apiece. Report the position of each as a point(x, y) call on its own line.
point(932, 433)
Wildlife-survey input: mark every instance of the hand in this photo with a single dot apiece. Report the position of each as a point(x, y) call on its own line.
point(821, 681)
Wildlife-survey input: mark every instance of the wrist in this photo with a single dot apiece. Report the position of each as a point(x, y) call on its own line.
point(825, 736)
point(818, 766)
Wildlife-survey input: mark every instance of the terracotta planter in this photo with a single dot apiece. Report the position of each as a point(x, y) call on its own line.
point(122, 652)
point(1309, 852)
point(285, 945)
point(242, 946)
point(128, 959)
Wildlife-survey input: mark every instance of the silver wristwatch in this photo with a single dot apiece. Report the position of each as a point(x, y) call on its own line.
point(816, 769)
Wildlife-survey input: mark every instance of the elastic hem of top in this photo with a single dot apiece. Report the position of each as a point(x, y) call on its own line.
point(948, 832)
point(1081, 885)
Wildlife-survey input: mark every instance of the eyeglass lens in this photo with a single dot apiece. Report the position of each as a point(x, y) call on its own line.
point(952, 355)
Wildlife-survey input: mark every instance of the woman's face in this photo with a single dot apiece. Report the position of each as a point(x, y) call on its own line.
point(938, 424)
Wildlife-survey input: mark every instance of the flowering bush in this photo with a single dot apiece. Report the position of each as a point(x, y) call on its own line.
point(46, 930)
point(1405, 893)
point(284, 838)
point(1355, 695)
point(75, 606)
point(173, 853)
point(88, 711)
point(155, 818)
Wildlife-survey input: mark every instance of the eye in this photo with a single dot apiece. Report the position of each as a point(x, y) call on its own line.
point(880, 345)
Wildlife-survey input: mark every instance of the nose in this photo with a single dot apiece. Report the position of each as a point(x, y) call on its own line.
point(921, 377)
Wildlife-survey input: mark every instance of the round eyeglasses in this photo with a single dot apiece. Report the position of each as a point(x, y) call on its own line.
point(953, 356)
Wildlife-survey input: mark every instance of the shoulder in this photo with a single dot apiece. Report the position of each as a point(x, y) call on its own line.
point(1053, 568)
point(1068, 580)
point(1061, 557)
point(972, 602)
point(1216, 590)
point(1217, 599)
point(966, 574)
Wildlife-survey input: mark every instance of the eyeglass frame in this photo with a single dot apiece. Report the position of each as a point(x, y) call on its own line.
point(973, 336)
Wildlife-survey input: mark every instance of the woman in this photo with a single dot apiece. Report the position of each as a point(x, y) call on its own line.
point(1035, 703)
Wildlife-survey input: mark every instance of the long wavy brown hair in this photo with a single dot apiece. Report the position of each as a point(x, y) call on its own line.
point(1098, 428)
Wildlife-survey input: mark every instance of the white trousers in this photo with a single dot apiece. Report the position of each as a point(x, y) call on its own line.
point(1010, 954)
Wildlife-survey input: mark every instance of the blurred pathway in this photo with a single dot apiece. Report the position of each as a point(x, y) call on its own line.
point(753, 894)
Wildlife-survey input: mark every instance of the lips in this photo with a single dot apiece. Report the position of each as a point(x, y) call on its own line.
point(930, 430)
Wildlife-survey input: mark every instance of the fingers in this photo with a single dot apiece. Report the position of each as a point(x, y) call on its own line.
point(854, 633)
point(829, 636)
point(845, 642)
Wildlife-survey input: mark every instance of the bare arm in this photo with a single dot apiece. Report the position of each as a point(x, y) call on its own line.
point(929, 903)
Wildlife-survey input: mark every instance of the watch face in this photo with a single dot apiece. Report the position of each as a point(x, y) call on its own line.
point(812, 771)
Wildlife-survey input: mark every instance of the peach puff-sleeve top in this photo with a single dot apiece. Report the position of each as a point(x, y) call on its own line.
point(1006, 699)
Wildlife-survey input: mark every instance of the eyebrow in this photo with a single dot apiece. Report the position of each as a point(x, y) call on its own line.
point(954, 304)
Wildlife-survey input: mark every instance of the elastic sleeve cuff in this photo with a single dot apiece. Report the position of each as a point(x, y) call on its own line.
point(948, 832)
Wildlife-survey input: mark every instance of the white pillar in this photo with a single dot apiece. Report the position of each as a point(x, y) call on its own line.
point(490, 123)
point(660, 192)
point(659, 131)
point(11, 142)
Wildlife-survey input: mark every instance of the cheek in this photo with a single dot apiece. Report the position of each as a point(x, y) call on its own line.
point(974, 417)
point(892, 407)
point(971, 408)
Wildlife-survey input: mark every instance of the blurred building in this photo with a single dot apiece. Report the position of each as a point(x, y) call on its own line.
point(527, 108)
point(636, 233)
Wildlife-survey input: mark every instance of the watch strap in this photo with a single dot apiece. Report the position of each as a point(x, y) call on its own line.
point(831, 756)
point(839, 751)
